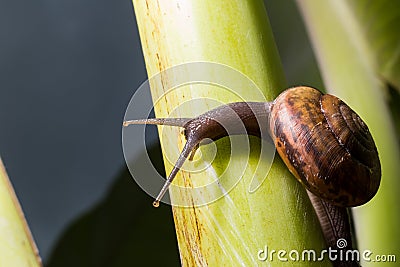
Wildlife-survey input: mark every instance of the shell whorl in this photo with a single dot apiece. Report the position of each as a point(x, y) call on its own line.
point(326, 145)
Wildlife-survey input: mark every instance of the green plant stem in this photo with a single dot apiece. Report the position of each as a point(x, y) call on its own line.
point(232, 230)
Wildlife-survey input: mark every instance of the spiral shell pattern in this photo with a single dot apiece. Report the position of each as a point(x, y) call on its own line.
point(326, 145)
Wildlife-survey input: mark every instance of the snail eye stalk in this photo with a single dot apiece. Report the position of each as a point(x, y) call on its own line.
point(238, 118)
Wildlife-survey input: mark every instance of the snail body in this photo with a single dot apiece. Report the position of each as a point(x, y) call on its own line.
point(322, 141)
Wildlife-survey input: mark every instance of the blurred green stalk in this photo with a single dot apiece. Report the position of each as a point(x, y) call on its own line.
point(17, 247)
point(348, 67)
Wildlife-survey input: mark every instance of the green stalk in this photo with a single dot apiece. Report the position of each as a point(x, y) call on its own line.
point(348, 68)
point(17, 247)
point(232, 230)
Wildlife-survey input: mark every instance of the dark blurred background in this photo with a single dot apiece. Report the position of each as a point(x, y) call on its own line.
point(67, 71)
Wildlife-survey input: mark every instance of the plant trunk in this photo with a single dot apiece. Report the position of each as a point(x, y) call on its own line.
point(236, 229)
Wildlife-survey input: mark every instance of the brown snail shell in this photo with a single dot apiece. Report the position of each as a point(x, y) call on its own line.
point(326, 145)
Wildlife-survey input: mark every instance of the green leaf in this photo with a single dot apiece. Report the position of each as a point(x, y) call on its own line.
point(380, 22)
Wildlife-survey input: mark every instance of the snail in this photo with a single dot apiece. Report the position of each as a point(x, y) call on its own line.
point(323, 142)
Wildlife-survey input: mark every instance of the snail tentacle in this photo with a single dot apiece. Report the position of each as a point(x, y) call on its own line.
point(231, 119)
